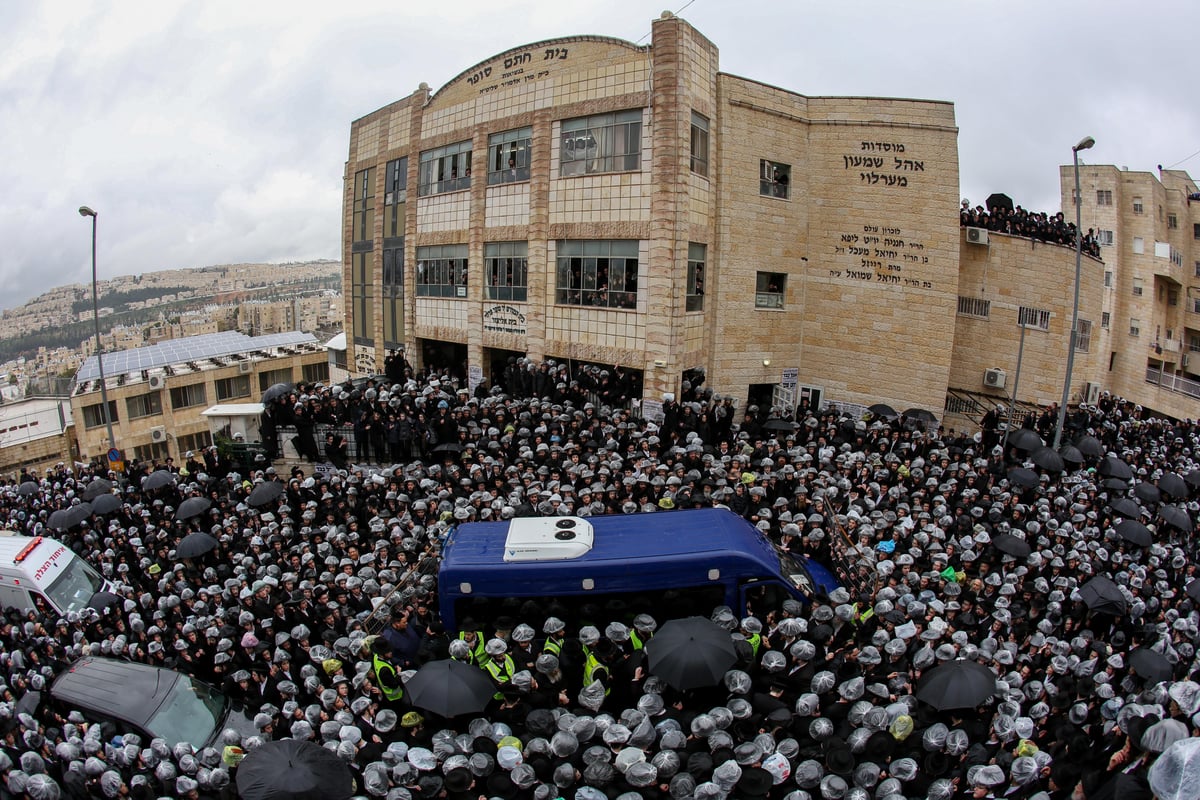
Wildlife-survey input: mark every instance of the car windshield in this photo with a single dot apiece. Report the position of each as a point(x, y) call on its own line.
point(72, 590)
point(792, 569)
point(190, 713)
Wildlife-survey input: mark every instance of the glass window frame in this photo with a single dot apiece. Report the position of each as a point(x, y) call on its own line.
point(445, 169)
point(697, 259)
point(395, 186)
point(516, 146)
point(587, 272)
point(771, 186)
point(506, 271)
point(363, 222)
point(698, 145)
point(93, 415)
point(764, 297)
point(189, 395)
point(442, 271)
point(140, 406)
point(608, 133)
point(231, 387)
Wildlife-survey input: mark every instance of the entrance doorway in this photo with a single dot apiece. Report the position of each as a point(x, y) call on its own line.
point(437, 355)
point(496, 364)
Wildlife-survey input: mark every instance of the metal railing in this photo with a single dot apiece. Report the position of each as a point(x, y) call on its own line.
point(1174, 383)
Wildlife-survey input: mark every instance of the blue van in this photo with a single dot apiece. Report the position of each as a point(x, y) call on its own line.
point(667, 564)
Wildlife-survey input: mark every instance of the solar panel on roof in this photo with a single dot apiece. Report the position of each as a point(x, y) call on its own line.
point(194, 348)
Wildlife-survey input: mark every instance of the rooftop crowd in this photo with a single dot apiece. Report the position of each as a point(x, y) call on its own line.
point(1017, 221)
point(315, 608)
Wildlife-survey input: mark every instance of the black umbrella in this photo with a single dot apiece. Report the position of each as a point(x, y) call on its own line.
point(1134, 532)
point(691, 653)
point(1011, 545)
point(448, 447)
point(1192, 479)
point(158, 479)
point(998, 200)
point(1126, 508)
point(195, 544)
point(776, 424)
point(921, 415)
point(96, 488)
point(1115, 484)
point(1151, 666)
point(957, 684)
point(1047, 459)
point(1025, 478)
point(77, 514)
point(1193, 589)
point(1174, 486)
point(27, 488)
point(1147, 492)
point(1113, 467)
point(1090, 446)
point(275, 391)
point(106, 504)
point(1024, 439)
point(1176, 517)
point(59, 520)
point(264, 493)
point(293, 769)
point(193, 507)
point(1102, 595)
point(102, 601)
point(450, 688)
point(1070, 454)
point(883, 411)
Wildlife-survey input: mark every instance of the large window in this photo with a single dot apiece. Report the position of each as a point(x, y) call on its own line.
point(1033, 318)
point(598, 273)
point(188, 396)
point(974, 307)
point(774, 179)
point(1172, 221)
point(317, 372)
point(508, 156)
point(93, 415)
point(506, 267)
point(393, 294)
point(1138, 207)
point(1138, 287)
point(699, 145)
point(697, 254)
point(442, 271)
point(445, 169)
point(769, 289)
point(603, 143)
point(229, 388)
point(395, 194)
point(273, 376)
point(364, 205)
point(1104, 197)
point(144, 405)
point(362, 298)
point(1135, 326)
point(1083, 336)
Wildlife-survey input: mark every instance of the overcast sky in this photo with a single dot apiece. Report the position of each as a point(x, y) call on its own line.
point(216, 132)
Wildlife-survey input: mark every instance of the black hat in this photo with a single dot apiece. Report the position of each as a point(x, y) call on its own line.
point(838, 759)
point(936, 764)
point(755, 782)
point(881, 745)
point(458, 780)
point(700, 766)
point(500, 784)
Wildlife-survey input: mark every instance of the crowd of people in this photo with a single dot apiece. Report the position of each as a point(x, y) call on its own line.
point(315, 608)
point(1017, 221)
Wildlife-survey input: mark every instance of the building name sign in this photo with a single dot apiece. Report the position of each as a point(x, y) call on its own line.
point(517, 68)
point(504, 319)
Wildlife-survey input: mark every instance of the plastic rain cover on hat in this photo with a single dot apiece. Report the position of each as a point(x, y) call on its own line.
point(1176, 773)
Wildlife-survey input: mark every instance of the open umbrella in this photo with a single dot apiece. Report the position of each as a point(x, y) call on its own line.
point(998, 200)
point(1113, 467)
point(106, 504)
point(690, 653)
point(1047, 459)
point(450, 688)
point(27, 488)
point(1070, 454)
point(293, 769)
point(1192, 479)
point(1193, 589)
point(1024, 439)
point(193, 507)
point(77, 514)
point(158, 479)
point(1150, 665)
point(448, 447)
point(102, 601)
point(1147, 492)
point(920, 416)
point(1126, 507)
point(882, 411)
point(1176, 517)
point(1115, 485)
point(957, 684)
point(96, 488)
point(59, 520)
point(195, 544)
point(1103, 596)
point(776, 424)
point(1090, 446)
point(1011, 545)
point(274, 391)
point(1173, 486)
point(264, 493)
point(1025, 478)
point(1134, 532)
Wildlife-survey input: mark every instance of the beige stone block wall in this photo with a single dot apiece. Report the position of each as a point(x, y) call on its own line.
point(441, 213)
point(507, 205)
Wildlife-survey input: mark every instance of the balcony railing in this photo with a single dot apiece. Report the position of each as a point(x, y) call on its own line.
point(1174, 383)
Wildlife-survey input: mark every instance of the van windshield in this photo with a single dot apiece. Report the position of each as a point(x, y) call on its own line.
point(189, 714)
point(792, 569)
point(72, 590)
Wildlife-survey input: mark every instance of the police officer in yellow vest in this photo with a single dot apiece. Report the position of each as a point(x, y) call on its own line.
point(752, 630)
point(499, 665)
point(461, 651)
point(644, 627)
point(556, 635)
point(385, 674)
point(474, 640)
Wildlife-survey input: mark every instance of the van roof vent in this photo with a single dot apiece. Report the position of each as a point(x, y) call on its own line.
point(547, 538)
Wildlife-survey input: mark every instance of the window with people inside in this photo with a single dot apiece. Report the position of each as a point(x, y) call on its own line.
point(445, 169)
point(697, 253)
point(601, 143)
point(769, 288)
point(774, 179)
point(506, 265)
point(442, 271)
point(602, 274)
point(508, 156)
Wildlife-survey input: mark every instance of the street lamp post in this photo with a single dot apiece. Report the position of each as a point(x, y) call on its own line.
point(1085, 143)
point(84, 211)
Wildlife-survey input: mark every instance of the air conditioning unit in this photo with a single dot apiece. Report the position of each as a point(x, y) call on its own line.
point(245, 367)
point(157, 382)
point(977, 235)
point(1091, 393)
point(158, 433)
point(994, 378)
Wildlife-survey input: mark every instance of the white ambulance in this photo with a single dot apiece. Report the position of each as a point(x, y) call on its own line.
point(40, 571)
